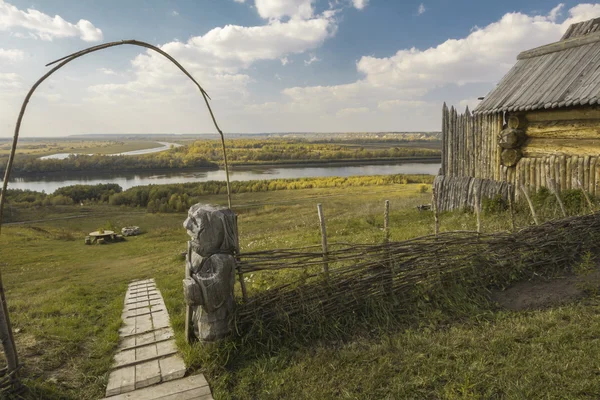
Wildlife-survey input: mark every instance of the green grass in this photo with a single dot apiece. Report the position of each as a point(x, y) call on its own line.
point(66, 299)
point(545, 354)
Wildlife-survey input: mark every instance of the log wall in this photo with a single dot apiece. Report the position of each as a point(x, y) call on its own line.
point(563, 146)
point(470, 144)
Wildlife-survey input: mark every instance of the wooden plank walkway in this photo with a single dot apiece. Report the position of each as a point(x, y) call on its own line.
point(147, 356)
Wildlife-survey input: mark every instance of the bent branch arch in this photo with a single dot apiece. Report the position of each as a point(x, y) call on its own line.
point(6, 335)
point(67, 59)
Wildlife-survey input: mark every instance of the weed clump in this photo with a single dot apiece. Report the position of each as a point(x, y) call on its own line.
point(494, 205)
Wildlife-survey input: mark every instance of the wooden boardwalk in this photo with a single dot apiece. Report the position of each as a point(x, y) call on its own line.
point(147, 365)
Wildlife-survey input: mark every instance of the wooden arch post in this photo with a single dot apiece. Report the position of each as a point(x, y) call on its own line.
point(6, 335)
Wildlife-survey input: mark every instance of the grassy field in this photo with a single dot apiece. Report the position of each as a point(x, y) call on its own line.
point(66, 300)
point(76, 146)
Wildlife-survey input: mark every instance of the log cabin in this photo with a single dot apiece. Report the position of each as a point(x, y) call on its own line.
point(539, 127)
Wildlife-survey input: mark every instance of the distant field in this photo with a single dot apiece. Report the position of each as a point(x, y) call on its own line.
point(77, 146)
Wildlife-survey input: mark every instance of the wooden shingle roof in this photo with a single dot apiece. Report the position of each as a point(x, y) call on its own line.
point(561, 74)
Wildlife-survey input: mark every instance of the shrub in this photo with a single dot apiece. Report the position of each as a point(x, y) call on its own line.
point(494, 205)
point(61, 200)
point(542, 197)
point(574, 201)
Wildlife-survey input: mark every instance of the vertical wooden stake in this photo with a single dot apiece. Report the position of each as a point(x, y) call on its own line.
point(552, 185)
point(323, 237)
point(386, 221)
point(587, 198)
point(8, 340)
point(237, 261)
point(478, 211)
point(511, 209)
point(436, 221)
point(189, 331)
point(389, 282)
point(533, 214)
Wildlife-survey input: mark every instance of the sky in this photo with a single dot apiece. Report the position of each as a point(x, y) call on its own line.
point(268, 65)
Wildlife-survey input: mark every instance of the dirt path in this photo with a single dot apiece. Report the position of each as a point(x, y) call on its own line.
point(543, 293)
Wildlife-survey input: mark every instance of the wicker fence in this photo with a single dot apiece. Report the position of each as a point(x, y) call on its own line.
point(359, 274)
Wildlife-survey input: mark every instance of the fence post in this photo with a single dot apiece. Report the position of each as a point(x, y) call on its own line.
point(237, 261)
point(533, 214)
point(511, 209)
point(478, 211)
point(389, 282)
point(587, 198)
point(552, 185)
point(386, 221)
point(8, 342)
point(436, 221)
point(323, 237)
point(189, 335)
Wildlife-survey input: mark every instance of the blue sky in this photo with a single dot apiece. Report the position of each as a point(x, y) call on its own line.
point(270, 65)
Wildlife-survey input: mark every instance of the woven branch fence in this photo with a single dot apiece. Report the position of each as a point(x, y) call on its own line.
point(360, 274)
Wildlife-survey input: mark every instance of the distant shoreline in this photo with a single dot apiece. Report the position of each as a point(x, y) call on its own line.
point(243, 166)
point(340, 163)
point(97, 172)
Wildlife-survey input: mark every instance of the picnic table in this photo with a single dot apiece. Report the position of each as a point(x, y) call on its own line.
point(102, 237)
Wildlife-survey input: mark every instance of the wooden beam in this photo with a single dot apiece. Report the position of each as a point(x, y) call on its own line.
point(565, 129)
point(578, 113)
point(560, 46)
point(542, 147)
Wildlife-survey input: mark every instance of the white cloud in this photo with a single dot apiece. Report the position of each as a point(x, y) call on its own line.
point(284, 61)
point(311, 60)
point(277, 9)
point(174, 13)
point(238, 46)
point(582, 12)
point(43, 26)
point(239, 1)
point(421, 10)
point(360, 4)
point(347, 112)
point(555, 12)
point(11, 55)
point(483, 56)
point(9, 80)
point(218, 58)
point(107, 71)
point(390, 105)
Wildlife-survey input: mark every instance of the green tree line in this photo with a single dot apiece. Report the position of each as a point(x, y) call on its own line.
point(80, 162)
point(179, 197)
point(255, 151)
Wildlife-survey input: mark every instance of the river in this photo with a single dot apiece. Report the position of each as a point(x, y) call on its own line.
point(163, 147)
point(50, 182)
